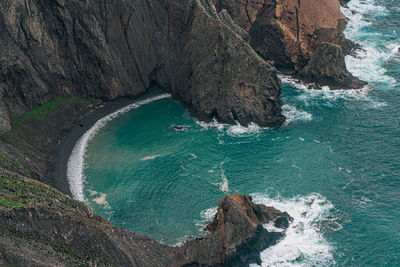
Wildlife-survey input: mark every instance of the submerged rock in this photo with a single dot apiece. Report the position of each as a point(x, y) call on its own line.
point(179, 127)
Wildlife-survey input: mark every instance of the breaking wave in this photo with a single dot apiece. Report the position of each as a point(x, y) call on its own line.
point(236, 130)
point(368, 63)
point(293, 114)
point(304, 243)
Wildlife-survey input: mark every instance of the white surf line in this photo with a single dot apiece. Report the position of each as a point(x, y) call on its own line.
point(76, 161)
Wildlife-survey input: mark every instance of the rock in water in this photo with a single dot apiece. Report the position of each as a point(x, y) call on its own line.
point(236, 235)
point(328, 67)
point(41, 225)
point(290, 32)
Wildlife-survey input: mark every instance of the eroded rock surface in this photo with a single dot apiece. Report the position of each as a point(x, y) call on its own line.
point(236, 235)
point(110, 49)
point(329, 68)
point(291, 32)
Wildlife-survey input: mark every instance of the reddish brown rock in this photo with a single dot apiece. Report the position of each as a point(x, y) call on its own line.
point(289, 32)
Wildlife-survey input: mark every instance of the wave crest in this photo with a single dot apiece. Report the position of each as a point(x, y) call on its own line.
point(303, 244)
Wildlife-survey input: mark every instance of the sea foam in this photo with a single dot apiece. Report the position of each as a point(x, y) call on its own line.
point(293, 114)
point(369, 62)
point(236, 130)
point(76, 162)
point(303, 244)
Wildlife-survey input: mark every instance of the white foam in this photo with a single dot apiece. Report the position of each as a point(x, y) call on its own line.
point(369, 63)
point(293, 114)
point(236, 130)
point(303, 244)
point(224, 184)
point(101, 199)
point(150, 157)
point(310, 94)
point(325, 92)
point(208, 215)
point(76, 162)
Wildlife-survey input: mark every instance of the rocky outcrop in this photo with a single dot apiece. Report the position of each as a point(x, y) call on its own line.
point(39, 226)
point(291, 32)
point(236, 235)
point(119, 48)
point(329, 68)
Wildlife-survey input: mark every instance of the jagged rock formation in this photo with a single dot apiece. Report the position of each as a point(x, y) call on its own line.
point(328, 67)
point(236, 235)
point(119, 48)
point(50, 228)
point(291, 32)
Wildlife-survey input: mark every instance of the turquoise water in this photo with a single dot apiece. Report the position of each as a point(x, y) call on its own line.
point(334, 166)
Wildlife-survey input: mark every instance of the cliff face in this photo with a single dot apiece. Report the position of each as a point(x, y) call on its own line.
point(290, 32)
point(118, 48)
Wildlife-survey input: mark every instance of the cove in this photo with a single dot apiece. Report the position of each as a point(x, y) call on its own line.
point(333, 166)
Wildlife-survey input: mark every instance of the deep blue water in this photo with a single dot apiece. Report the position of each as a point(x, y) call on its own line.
point(334, 166)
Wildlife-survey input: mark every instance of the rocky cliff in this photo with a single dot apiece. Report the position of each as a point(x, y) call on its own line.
point(39, 226)
point(212, 55)
point(294, 32)
point(108, 49)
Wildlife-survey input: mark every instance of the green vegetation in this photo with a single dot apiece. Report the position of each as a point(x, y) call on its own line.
point(42, 112)
point(216, 232)
point(40, 126)
point(16, 192)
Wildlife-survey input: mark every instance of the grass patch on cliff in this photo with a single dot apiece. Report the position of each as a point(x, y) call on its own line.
point(8, 163)
point(41, 128)
point(16, 192)
point(41, 113)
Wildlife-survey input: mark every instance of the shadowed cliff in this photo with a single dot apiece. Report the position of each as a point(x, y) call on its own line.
point(109, 49)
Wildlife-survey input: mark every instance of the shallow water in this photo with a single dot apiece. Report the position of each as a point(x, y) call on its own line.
point(334, 166)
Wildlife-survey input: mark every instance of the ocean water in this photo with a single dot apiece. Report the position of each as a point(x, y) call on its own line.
point(333, 166)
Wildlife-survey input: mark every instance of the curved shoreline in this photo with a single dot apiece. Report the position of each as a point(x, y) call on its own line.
point(59, 164)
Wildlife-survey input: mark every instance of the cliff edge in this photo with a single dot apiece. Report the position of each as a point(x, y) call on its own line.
point(40, 226)
point(120, 48)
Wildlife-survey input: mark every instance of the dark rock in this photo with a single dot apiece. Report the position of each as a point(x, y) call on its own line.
point(327, 67)
point(236, 235)
point(179, 127)
point(120, 48)
point(344, 2)
point(41, 226)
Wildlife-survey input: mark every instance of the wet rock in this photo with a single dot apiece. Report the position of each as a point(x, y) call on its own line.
point(327, 67)
point(236, 235)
